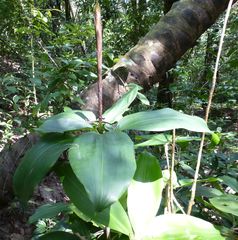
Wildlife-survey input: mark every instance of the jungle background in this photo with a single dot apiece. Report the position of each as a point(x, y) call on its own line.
point(48, 56)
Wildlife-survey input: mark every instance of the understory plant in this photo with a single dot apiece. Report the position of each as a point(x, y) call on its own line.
point(107, 181)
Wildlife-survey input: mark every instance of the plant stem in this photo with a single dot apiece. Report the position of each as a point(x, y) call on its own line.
point(171, 172)
point(33, 69)
point(98, 28)
point(211, 93)
point(47, 53)
point(168, 200)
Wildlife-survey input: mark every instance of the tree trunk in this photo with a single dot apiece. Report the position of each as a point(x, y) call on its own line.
point(67, 10)
point(9, 160)
point(158, 51)
point(144, 64)
point(164, 95)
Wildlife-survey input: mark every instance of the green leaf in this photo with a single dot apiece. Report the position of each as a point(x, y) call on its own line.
point(36, 163)
point(226, 203)
point(157, 139)
point(161, 139)
point(187, 182)
point(143, 99)
point(104, 164)
point(49, 211)
point(115, 113)
point(66, 121)
point(208, 192)
point(114, 217)
point(230, 181)
point(86, 115)
point(215, 139)
point(180, 227)
point(118, 219)
point(162, 120)
point(77, 194)
point(59, 235)
point(145, 192)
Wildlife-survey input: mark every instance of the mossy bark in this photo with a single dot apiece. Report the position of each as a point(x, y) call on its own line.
point(158, 51)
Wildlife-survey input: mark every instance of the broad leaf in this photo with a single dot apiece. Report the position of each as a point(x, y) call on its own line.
point(86, 115)
point(180, 227)
point(114, 217)
point(77, 194)
point(114, 113)
point(187, 182)
point(49, 211)
point(145, 192)
point(63, 122)
point(104, 164)
point(161, 139)
point(59, 235)
point(162, 120)
point(208, 192)
point(36, 163)
point(118, 219)
point(156, 139)
point(230, 181)
point(226, 203)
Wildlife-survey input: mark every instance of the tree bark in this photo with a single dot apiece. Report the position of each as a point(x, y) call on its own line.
point(67, 10)
point(158, 51)
point(144, 64)
point(164, 95)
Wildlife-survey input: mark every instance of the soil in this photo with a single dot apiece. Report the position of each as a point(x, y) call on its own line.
point(13, 220)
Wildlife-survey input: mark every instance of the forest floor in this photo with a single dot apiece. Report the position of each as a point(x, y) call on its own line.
point(14, 220)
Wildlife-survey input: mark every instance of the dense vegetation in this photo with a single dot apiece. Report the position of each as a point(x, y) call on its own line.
point(48, 56)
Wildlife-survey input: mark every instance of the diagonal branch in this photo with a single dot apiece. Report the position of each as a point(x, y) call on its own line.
point(158, 51)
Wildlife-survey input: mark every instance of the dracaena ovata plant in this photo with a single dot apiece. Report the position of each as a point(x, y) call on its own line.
point(102, 164)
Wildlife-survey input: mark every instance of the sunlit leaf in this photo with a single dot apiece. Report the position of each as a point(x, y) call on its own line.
point(166, 178)
point(114, 216)
point(115, 113)
point(162, 120)
point(143, 99)
point(156, 139)
point(36, 163)
point(161, 139)
point(180, 227)
point(86, 115)
point(226, 203)
point(62, 122)
point(145, 192)
point(49, 211)
point(104, 164)
point(118, 219)
point(215, 138)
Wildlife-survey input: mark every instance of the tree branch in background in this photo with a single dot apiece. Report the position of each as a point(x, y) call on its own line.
point(158, 51)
